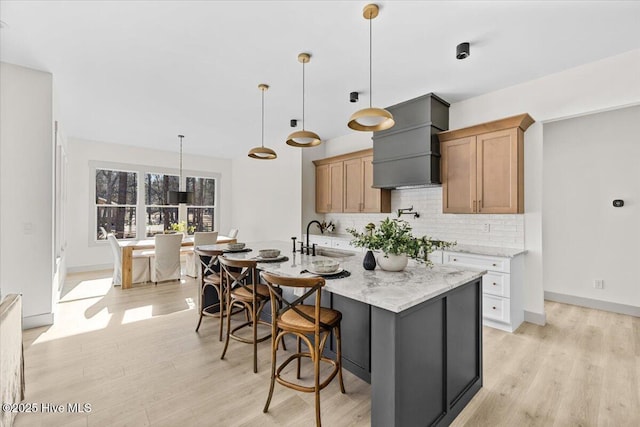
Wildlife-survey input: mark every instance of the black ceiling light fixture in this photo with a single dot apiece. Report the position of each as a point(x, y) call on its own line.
point(178, 197)
point(462, 50)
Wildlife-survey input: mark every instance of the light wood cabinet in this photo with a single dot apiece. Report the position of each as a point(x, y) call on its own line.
point(483, 167)
point(344, 184)
point(329, 187)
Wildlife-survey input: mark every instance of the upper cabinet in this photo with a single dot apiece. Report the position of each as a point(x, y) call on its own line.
point(483, 167)
point(344, 184)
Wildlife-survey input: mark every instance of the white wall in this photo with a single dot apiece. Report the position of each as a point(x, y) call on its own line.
point(588, 162)
point(26, 190)
point(82, 252)
point(601, 85)
point(266, 199)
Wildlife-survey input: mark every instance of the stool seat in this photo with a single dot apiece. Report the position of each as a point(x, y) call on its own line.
point(212, 278)
point(246, 293)
point(294, 322)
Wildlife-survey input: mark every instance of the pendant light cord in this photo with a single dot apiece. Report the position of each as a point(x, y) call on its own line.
point(303, 121)
point(262, 118)
point(370, 64)
point(180, 183)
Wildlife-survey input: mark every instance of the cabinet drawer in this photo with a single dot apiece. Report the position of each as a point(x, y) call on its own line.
point(496, 308)
point(345, 244)
point(477, 261)
point(436, 257)
point(320, 240)
point(496, 284)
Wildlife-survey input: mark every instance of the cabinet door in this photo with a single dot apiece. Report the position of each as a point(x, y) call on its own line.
point(497, 169)
point(373, 199)
point(353, 185)
point(336, 186)
point(323, 188)
point(459, 175)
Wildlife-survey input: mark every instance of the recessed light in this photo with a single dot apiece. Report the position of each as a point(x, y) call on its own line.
point(4, 24)
point(462, 50)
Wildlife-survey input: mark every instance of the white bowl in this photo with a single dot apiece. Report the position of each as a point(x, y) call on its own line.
point(325, 266)
point(236, 246)
point(269, 253)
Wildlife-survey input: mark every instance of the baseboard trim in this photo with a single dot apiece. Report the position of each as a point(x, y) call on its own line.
point(95, 267)
point(535, 318)
point(613, 307)
point(38, 320)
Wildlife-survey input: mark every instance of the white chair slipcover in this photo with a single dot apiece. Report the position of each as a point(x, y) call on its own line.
point(165, 260)
point(233, 233)
point(139, 267)
point(199, 238)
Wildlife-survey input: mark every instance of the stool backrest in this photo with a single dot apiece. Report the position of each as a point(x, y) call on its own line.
point(208, 259)
point(238, 272)
point(280, 304)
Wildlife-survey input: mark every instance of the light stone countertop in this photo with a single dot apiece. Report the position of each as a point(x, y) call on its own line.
point(393, 291)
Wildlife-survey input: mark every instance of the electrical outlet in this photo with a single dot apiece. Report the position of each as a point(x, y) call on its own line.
point(598, 284)
point(486, 228)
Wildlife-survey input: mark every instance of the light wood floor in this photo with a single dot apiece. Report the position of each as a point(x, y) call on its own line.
point(134, 356)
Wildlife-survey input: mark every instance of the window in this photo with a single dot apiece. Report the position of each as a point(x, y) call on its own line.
point(116, 198)
point(129, 201)
point(159, 215)
point(200, 215)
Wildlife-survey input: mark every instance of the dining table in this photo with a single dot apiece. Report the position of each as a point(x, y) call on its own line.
point(128, 246)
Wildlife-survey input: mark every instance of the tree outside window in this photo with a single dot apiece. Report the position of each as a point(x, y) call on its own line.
point(200, 215)
point(159, 215)
point(116, 197)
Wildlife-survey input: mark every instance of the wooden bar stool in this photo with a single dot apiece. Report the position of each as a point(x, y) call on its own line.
point(296, 318)
point(239, 278)
point(210, 278)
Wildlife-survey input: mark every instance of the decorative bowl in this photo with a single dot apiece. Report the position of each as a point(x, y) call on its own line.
point(236, 246)
point(325, 266)
point(269, 253)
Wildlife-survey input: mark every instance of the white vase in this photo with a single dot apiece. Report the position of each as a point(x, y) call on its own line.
point(391, 262)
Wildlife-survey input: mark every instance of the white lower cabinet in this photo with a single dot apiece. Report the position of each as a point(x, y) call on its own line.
point(502, 287)
point(341, 243)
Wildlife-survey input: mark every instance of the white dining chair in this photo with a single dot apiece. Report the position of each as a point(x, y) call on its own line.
point(139, 266)
point(165, 260)
point(199, 238)
point(233, 233)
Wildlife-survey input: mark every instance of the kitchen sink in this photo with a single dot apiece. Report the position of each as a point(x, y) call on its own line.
point(334, 253)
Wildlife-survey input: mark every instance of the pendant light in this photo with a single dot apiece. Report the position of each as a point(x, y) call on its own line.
point(303, 138)
point(262, 152)
point(177, 197)
point(371, 119)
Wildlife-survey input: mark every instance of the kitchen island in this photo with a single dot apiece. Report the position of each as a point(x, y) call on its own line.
point(416, 335)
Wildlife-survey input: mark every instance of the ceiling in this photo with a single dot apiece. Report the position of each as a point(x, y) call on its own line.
point(141, 72)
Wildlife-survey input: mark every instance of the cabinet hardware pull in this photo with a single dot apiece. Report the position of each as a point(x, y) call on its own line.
point(494, 264)
point(474, 205)
point(494, 283)
point(455, 259)
point(479, 205)
point(494, 307)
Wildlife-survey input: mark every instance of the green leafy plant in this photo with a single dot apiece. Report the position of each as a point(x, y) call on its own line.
point(182, 226)
point(394, 236)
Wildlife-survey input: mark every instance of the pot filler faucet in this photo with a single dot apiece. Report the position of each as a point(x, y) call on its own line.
point(313, 248)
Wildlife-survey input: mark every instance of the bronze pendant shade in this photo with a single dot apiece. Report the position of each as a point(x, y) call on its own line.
point(262, 152)
point(371, 119)
point(303, 138)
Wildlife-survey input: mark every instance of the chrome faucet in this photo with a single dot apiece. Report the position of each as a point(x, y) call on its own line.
point(314, 245)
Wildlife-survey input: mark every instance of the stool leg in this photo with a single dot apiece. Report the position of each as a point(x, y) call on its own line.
point(274, 347)
point(339, 357)
point(221, 309)
point(228, 314)
point(315, 354)
point(255, 335)
point(199, 322)
point(298, 349)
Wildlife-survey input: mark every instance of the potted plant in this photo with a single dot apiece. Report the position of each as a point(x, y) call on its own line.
point(181, 227)
point(393, 238)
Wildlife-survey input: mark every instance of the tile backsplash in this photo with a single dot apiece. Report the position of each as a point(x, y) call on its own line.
point(505, 230)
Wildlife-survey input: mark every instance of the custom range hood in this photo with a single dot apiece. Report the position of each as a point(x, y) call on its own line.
point(408, 154)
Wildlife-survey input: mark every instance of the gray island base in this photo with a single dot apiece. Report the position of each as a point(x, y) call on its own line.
point(415, 335)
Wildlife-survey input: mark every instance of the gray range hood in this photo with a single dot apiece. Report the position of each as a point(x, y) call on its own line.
point(408, 154)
